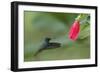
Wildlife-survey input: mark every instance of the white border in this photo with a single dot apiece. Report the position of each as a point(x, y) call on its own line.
point(22, 64)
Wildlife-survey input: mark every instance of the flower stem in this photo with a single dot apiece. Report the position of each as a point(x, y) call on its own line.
point(79, 17)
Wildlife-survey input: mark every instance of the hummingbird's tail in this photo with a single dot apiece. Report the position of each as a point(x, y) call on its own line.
point(38, 52)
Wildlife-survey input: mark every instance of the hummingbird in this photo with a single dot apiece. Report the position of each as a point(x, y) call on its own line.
point(48, 45)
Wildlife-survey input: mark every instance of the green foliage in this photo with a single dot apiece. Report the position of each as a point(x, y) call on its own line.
point(85, 26)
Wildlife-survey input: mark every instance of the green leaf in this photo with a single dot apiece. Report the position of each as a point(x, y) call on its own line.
point(84, 26)
point(84, 31)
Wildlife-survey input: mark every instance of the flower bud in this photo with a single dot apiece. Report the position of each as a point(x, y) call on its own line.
point(74, 30)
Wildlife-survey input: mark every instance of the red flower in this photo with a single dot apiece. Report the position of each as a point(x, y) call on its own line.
point(74, 31)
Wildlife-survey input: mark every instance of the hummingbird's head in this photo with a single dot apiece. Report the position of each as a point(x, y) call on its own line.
point(47, 39)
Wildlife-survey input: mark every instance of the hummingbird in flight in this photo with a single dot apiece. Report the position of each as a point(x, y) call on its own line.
point(48, 45)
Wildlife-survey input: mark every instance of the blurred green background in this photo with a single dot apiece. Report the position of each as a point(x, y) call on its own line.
point(39, 25)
